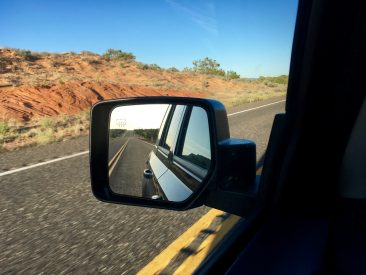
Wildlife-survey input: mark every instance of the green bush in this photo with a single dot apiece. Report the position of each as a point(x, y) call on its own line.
point(112, 54)
point(4, 127)
point(142, 66)
point(187, 70)
point(24, 54)
point(48, 123)
point(207, 66)
point(153, 67)
point(232, 75)
point(114, 133)
point(173, 69)
point(147, 134)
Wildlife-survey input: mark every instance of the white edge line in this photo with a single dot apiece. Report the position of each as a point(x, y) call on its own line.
point(85, 152)
point(251, 109)
point(43, 163)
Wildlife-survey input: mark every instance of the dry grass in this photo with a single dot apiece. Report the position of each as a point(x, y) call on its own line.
point(15, 135)
point(254, 92)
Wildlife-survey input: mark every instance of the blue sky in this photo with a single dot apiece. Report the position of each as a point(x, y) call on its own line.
point(251, 37)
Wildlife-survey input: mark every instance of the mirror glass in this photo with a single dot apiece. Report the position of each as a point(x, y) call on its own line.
point(158, 151)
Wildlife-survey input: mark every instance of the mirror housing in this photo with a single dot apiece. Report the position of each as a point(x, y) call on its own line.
point(230, 184)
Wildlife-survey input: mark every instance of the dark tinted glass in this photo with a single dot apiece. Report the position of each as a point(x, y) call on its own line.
point(174, 127)
point(163, 124)
point(197, 148)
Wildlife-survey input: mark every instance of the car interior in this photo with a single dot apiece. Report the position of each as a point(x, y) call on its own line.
point(313, 183)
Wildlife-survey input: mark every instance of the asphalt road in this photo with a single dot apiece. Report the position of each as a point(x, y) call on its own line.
point(52, 224)
point(116, 143)
point(128, 173)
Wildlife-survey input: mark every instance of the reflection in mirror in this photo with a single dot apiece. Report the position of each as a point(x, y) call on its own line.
point(158, 151)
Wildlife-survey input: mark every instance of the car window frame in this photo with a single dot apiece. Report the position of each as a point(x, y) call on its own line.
point(194, 170)
point(186, 171)
point(166, 152)
point(163, 129)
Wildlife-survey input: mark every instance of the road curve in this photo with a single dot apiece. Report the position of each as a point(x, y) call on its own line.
point(51, 223)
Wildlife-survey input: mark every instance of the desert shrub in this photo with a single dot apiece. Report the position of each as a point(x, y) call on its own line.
point(66, 120)
point(43, 130)
point(147, 134)
point(112, 54)
point(282, 79)
point(26, 55)
point(208, 66)
point(47, 123)
point(232, 75)
point(142, 66)
point(44, 83)
point(173, 69)
point(36, 55)
point(82, 120)
point(4, 127)
point(98, 78)
point(187, 70)
point(270, 84)
point(114, 133)
point(153, 67)
point(32, 133)
point(44, 137)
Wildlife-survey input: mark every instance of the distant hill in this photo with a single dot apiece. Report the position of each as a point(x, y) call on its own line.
point(34, 84)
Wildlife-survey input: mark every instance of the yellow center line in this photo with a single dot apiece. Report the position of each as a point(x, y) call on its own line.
point(112, 164)
point(164, 258)
point(191, 263)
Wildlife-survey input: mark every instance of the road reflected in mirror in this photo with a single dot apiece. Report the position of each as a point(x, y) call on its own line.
point(158, 151)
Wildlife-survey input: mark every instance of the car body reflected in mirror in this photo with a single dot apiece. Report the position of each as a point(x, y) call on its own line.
point(158, 151)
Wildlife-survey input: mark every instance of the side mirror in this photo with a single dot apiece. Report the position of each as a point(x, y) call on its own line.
point(170, 152)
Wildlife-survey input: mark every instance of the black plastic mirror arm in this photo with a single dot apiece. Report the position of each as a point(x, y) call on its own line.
point(232, 191)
